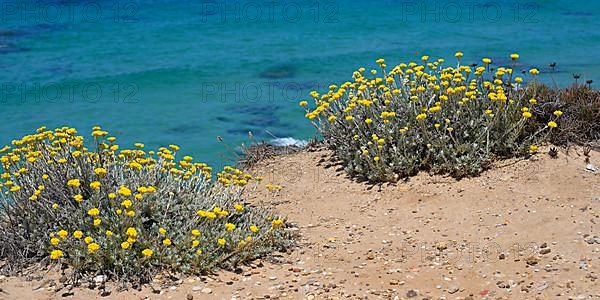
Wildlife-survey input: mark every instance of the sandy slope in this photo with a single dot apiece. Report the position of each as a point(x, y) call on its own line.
point(521, 231)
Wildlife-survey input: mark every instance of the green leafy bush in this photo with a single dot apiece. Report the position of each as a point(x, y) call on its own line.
point(125, 213)
point(450, 120)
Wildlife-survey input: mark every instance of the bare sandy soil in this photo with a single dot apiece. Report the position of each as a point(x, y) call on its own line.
point(527, 229)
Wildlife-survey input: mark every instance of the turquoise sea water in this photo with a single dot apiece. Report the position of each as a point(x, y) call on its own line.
point(185, 72)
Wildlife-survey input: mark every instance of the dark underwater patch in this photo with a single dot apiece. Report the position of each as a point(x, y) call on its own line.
point(578, 14)
point(44, 27)
point(223, 119)
point(11, 33)
point(254, 109)
point(184, 129)
point(255, 118)
point(11, 48)
point(278, 72)
point(262, 120)
point(60, 70)
point(296, 86)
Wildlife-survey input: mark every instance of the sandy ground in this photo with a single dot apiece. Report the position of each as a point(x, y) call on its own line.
point(527, 229)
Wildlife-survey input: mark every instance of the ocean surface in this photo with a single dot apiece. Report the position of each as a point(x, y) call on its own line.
point(187, 72)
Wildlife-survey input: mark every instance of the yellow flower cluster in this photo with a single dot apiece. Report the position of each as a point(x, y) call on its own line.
point(105, 196)
point(421, 113)
point(234, 176)
point(273, 187)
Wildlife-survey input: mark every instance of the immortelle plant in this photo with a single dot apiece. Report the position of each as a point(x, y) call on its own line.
point(128, 214)
point(447, 120)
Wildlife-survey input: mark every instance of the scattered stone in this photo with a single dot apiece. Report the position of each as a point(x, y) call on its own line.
point(441, 246)
point(394, 282)
point(532, 260)
point(542, 286)
point(68, 294)
point(411, 294)
point(206, 291)
point(502, 256)
point(545, 251)
point(453, 289)
point(583, 264)
point(503, 285)
point(105, 293)
point(196, 288)
point(100, 279)
point(189, 297)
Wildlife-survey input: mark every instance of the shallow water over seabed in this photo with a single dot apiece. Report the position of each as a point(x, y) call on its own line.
point(185, 72)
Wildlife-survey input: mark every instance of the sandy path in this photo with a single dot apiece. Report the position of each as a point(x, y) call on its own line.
point(529, 230)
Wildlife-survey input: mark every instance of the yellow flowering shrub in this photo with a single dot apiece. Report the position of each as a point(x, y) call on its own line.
point(392, 122)
point(126, 213)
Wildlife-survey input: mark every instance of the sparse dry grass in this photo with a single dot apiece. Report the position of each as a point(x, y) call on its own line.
point(581, 106)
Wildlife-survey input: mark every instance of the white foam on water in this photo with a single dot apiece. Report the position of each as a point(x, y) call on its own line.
point(288, 141)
